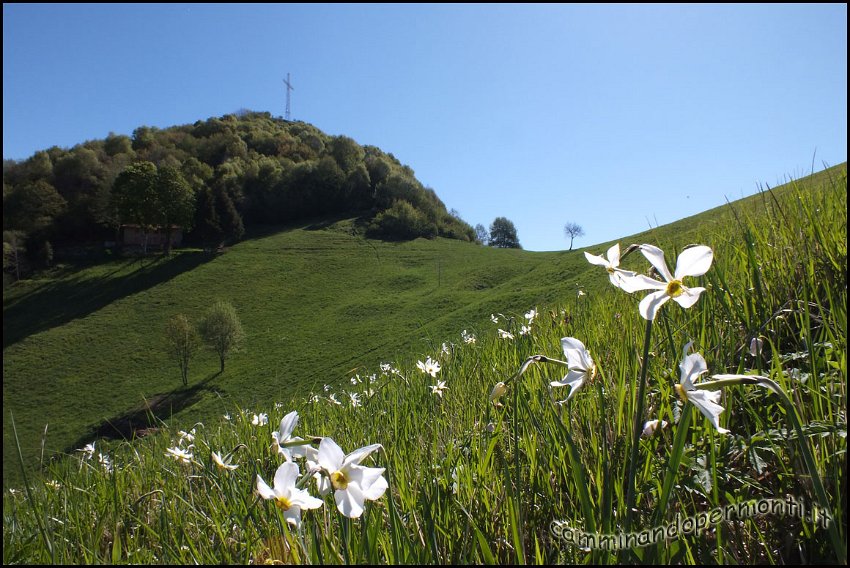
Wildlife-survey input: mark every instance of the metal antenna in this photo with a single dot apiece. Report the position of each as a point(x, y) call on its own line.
point(289, 87)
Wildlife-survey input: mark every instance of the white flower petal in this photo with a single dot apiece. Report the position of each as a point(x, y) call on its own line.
point(694, 261)
point(303, 499)
point(571, 343)
point(331, 455)
point(263, 489)
point(689, 296)
point(650, 304)
point(640, 282)
point(350, 501)
point(706, 401)
point(614, 255)
point(285, 477)
point(596, 260)
point(656, 257)
point(287, 425)
point(293, 515)
point(360, 454)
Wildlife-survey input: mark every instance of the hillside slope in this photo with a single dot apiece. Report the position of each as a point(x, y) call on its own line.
point(83, 346)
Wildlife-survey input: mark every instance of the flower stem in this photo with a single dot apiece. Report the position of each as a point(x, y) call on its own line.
point(636, 430)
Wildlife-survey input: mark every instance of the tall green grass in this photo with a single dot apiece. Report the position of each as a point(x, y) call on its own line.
point(472, 481)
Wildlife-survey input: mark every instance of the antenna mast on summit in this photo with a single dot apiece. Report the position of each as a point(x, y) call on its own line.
point(289, 87)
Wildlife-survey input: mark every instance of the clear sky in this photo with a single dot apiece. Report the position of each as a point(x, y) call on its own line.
point(613, 116)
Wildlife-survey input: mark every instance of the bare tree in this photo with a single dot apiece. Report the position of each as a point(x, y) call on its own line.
point(181, 343)
point(573, 230)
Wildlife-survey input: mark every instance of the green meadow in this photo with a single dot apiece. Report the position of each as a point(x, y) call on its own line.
point(469, 479)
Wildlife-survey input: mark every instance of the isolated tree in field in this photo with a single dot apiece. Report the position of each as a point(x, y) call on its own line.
point(222, 330)
point(572, 231)
point(503, 234)
point(482, 234)
point(181, 343)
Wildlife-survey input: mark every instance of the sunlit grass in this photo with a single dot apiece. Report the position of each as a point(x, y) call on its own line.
point(473, 481)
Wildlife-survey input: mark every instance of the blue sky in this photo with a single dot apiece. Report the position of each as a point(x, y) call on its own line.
point(616, 117)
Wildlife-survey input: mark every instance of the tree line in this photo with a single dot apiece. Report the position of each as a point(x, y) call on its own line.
point(214, 178)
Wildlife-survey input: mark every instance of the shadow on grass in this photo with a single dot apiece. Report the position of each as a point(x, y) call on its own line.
point(68, 298)
point(146, 418)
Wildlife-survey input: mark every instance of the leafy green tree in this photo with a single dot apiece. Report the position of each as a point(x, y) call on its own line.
point(134, 197)
point(503, 234)
point(32, 206)
point(175, 202)
point(222, 330)
point(572, 231)
point(181, 343)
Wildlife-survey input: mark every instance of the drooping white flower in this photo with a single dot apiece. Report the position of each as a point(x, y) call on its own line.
point(286, 495)
point(332, 398)
point(651, 426)
point(494, 319)
point(525, 330)
point(693, 261)
point(353, 484)
point(581, 366)
point(505, 334)
point(498, 391)
point(530, 315)
point(439, 388)
point(429, 367)
point(468, 338)
point(691, 367)
point(283, 438)
point(260, 419)
point(756, 346)
point(619, 277)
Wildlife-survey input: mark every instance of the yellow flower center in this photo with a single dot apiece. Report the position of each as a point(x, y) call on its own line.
point(680, 390)
point(675, 288)
point(282, 503)
point(338, 480)
point(610, 269)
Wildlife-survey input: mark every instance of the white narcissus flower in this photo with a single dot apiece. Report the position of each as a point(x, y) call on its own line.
point(691, 367)
point(530, 315)
point(88, 450)
point(429, 367)
point(581, 367)
point(286, 495)
point(221, 463)
point(260, 419)
point(693, 261)
point(505, 334)
point(283, 437)
point(619, 277)
point(353, 484)
point(179, 454)
point(439, 388)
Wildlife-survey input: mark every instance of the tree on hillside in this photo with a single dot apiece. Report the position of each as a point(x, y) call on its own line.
point(222, 330)
point(175, 202)
point(503, 234)
point(482, 234)
point(573, 230)
point(134, 197)
point(181, 343)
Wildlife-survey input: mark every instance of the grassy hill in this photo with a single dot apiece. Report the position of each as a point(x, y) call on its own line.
point(83, 355)
point(465, 480)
